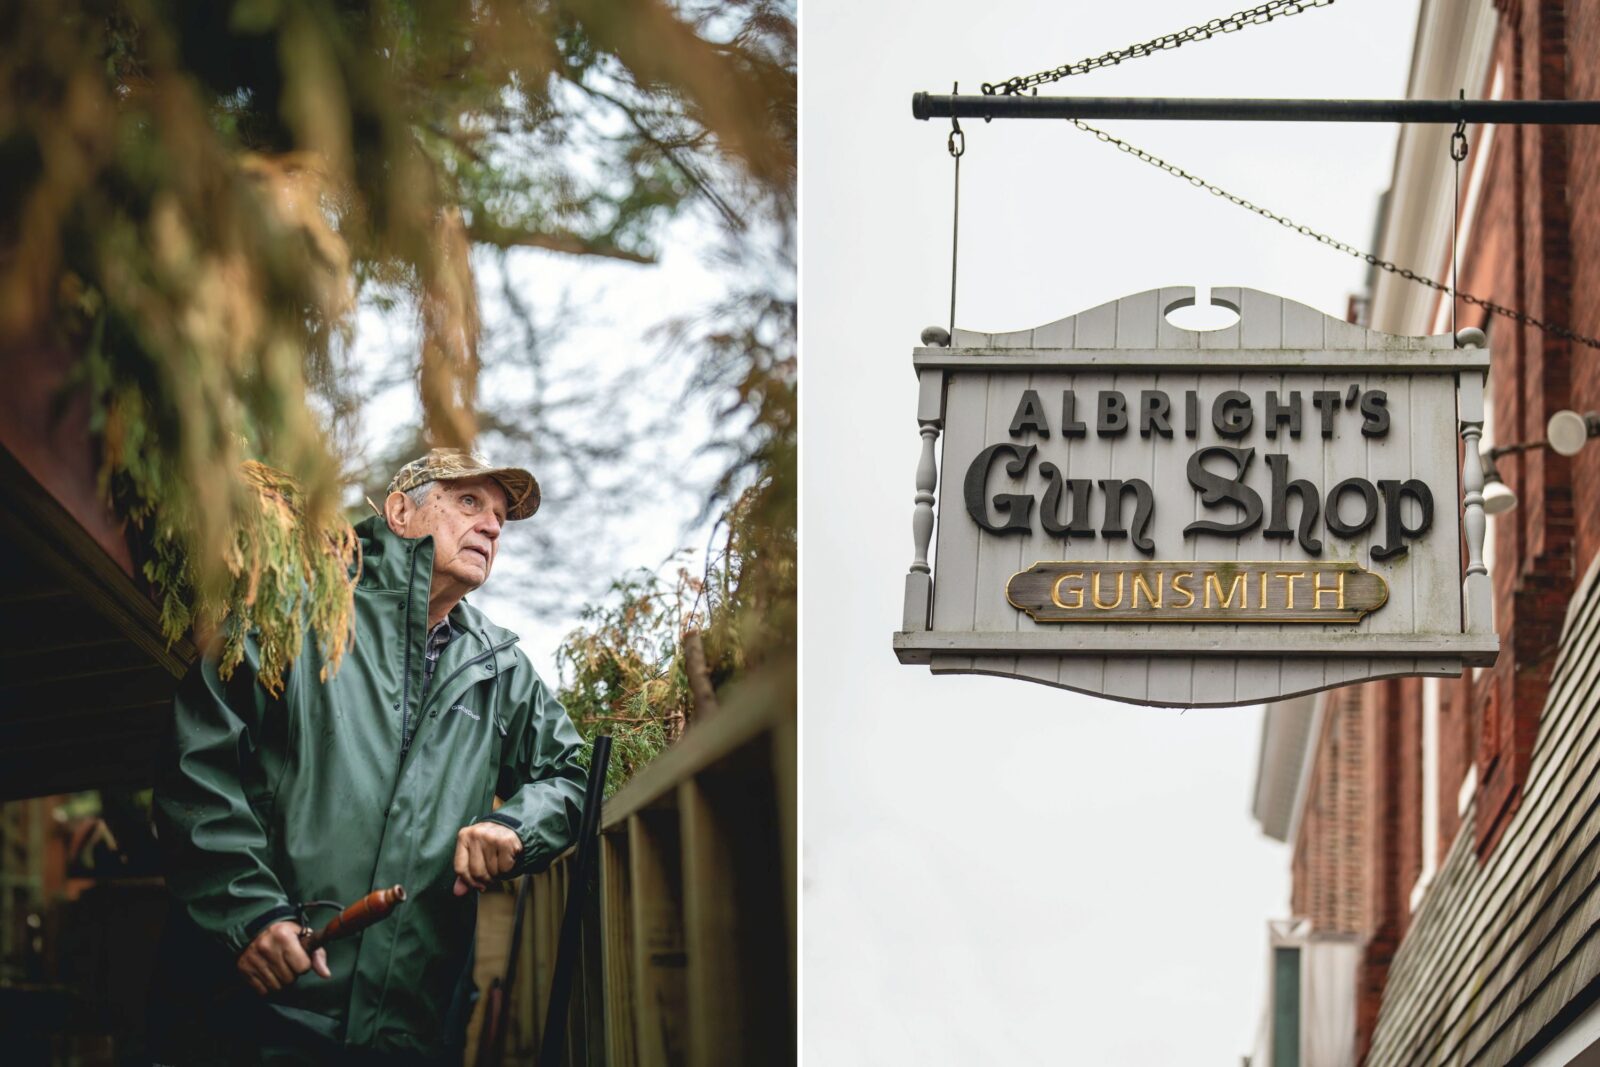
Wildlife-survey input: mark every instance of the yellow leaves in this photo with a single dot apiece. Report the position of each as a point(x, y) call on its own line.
point(507, 39)
point(242, 548)
point(657, 693)
point(306, 193)
point(315, 104)
point(206, 302)
point(213, 298)
point(208, 281)
point(72, 125)
point(229, 357)
point(450, 327)
point(172, 248)
point(296, 569)
point(744, 107)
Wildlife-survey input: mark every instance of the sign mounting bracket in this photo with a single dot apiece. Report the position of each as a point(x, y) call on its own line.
point(1217, 109)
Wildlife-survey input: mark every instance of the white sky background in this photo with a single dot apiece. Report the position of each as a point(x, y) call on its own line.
point(996, 871)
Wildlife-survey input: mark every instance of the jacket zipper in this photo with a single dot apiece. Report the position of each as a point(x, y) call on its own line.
point(405, 684)
point(405, 715)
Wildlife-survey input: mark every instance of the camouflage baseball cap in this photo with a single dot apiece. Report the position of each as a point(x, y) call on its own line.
point(447, 464)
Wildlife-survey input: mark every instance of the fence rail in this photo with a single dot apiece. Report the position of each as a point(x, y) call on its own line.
point(688, 949)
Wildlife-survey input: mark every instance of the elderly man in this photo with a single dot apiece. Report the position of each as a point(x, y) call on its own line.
point(382, 774)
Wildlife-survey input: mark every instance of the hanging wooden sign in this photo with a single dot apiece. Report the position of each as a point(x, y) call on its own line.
point(1180, 518)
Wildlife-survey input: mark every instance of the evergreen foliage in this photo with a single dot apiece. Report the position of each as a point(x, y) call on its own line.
point(194, 194)
point(627, 677)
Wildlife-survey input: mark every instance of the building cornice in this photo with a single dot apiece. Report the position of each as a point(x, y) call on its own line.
point(1454, 50)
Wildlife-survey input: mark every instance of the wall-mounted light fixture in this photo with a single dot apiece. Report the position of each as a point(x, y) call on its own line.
point(1498, 497)
point(1567, 431)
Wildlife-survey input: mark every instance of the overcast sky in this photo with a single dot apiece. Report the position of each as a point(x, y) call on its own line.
point(997, 871)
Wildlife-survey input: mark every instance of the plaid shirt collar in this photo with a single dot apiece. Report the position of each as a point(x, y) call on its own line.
point(433, 647)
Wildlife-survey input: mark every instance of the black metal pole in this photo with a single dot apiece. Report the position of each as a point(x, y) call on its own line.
point(553, 1048)
point(1503, 112)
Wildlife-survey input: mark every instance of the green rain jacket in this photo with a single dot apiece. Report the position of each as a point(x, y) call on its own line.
point(269, 802)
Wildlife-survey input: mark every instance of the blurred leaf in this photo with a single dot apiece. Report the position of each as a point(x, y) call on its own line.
point(197, 192)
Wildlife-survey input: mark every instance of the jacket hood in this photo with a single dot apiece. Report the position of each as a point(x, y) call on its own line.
point(386, 564)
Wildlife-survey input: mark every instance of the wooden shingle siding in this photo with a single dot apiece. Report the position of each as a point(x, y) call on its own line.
point(1500, 947)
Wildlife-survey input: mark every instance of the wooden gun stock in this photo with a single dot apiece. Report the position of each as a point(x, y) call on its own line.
point(373, 907)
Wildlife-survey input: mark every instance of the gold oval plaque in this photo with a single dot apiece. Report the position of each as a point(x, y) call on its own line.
point(1196, 591)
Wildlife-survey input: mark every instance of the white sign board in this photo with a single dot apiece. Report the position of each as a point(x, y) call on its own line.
point(1177, 518)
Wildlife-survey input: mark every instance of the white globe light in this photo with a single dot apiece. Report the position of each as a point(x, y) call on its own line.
point(1567, 431)
point(1498, 498)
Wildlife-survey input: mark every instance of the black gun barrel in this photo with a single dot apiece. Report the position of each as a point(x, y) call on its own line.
point(553, 1047)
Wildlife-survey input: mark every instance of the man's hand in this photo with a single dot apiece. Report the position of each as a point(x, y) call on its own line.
point(484, 851)
point(276, 958)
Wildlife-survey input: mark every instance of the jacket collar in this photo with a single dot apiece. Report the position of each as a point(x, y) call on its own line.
point(386, 564)
point(386, 556)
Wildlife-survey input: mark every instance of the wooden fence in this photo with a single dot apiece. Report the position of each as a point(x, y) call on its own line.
point(689, 946)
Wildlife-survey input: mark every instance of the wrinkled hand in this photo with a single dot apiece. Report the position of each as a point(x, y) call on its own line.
point(484, 851)
point(276, 958)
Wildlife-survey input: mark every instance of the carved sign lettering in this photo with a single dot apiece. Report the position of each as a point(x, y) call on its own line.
point(1188, 591)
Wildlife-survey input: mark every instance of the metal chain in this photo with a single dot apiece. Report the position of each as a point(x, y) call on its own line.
point(1520, 317)
point(1255, 16)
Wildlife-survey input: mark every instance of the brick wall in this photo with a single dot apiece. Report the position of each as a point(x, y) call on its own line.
point(1457, 743)
point(1387, 901)
point(1535, 243)
point(1329, 868)
point(1530, 380)
point(1406, 711)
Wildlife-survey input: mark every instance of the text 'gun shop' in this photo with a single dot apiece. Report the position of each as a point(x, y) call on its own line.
point(1221, 474)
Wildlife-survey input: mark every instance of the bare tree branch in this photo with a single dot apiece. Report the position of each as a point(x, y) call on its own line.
point(483, 232)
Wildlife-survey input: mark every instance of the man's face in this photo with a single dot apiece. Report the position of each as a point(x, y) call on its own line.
point(464, 516)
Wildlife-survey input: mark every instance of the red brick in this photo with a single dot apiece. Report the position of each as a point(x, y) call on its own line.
point(1536, 242)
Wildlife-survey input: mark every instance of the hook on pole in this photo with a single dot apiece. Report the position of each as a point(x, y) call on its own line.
point(957, 144)
point(1458, 152)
